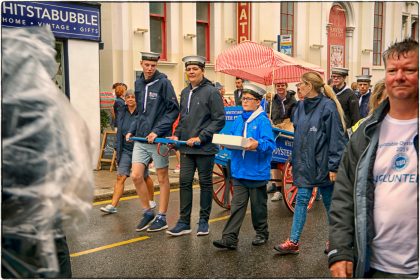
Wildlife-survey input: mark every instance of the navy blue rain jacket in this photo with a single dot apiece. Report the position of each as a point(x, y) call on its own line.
point(206, 117)
point(124, 121)
point(161, 108)
point(318, 143)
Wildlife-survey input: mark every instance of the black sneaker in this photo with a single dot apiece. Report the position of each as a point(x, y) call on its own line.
point(223, 243)
point(259, 240)
point(144, 222)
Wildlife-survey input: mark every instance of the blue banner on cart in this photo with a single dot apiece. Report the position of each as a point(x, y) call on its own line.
point(283, 150)
point(67, 20)
point(231, 113)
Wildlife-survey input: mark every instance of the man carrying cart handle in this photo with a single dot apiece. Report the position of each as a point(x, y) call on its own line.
point(202, 115)
point(157, 110)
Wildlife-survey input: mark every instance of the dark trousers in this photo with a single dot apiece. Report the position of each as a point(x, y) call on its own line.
point(374, 273)
point(241, 195)
point(204, 164)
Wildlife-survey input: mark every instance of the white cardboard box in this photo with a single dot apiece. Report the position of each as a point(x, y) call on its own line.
point(230, 141)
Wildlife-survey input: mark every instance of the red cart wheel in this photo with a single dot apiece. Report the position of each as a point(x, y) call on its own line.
point(289, 190)
point(222, 186)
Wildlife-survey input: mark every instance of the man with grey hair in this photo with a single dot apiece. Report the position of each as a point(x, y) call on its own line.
point(374, 211)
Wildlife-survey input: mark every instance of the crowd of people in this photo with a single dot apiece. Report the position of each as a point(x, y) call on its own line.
point(358, 146)
point(360, 149)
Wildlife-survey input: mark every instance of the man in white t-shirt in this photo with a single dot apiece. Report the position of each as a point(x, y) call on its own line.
point(374, 210)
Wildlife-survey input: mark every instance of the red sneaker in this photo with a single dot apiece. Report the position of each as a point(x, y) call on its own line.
point(287, 247)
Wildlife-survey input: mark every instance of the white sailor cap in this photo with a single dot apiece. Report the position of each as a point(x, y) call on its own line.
point(255, 90)
point(194, 60)
point(364, 78)
point(150, 56)
point(340, 71)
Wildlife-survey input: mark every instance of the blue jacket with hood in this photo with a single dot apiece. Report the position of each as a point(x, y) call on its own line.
point(318, 143)
point(256, 164)
point(161, 108)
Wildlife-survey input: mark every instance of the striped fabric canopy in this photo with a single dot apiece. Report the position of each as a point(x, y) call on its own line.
point(107, 100)
point(261, 64)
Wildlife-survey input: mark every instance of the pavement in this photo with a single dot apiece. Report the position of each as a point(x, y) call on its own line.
point(105, 181)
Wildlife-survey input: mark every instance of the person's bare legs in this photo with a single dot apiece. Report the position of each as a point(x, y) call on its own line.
point(163, 178)
point(118, 189)
point(137, 175)
point(150, 188)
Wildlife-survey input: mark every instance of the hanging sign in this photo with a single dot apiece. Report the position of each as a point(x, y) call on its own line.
point(244, 22)
point(66, 20)
point(285, 44)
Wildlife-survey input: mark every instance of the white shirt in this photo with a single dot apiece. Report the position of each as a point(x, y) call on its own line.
point(395, 244)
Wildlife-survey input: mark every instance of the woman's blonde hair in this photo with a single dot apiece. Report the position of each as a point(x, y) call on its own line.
point(318, 84)
point(378, 95)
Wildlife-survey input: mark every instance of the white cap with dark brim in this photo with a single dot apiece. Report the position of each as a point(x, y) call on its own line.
point(194, 60)
point(255, 90)
point(340, 71)
point(150, 56)
point(364, 78)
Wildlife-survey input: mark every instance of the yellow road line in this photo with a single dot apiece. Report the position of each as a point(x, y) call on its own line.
point(132, 197)
point(109, 246)
point(134, 240)
point(219, 219)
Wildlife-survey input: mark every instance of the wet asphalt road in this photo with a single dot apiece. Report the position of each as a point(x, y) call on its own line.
point(118, 251)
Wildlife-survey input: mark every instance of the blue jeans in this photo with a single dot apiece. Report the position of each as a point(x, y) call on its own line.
point(302, 201)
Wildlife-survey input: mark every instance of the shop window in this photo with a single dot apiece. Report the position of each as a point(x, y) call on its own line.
point(158, 28)
point(60, 76)
point(415, 30)
point(203, 29)
point(287, 14)
point(378, 33)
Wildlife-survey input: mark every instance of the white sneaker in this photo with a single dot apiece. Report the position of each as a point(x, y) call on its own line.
point(152, 204)
point(277, 196)
point(177, 169)
point(109, 209)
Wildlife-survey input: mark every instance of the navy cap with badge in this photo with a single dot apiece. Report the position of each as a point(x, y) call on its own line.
point(194, 60)
point(254, 90)
point(364, 78)
point(151, 56)
point(340, 71)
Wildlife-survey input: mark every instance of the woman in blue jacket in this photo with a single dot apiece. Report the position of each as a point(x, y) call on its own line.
point(126, 115)
point(250, 170)
point(318, 144)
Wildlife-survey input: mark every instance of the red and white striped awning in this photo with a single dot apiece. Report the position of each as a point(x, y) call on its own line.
point(107, 100)
point(261, 64)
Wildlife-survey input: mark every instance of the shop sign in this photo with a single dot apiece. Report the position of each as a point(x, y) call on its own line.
point(244, 22)
point(285, 44)
point(66, 20)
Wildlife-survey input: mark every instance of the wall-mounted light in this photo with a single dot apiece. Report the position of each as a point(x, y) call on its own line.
point(230, 40)
point(189, 36)
point(367, 50)
point(269, 41)
point(316, 46)
point(140, 30)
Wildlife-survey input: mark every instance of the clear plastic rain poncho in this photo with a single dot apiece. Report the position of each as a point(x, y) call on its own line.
point(46, 163)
